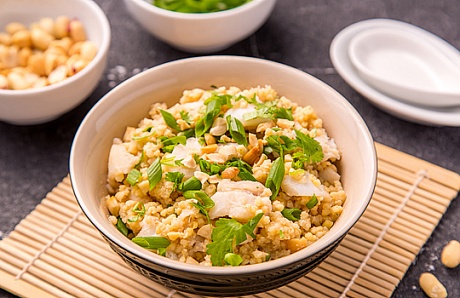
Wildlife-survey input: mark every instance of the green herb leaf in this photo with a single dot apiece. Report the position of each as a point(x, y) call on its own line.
point(191, 183)
point(154, 173)
point(170, 143)
point(161, 251)
point(175, 177)
point(122, 227)
point(312, 202)
point(139, 209)
point(188, 133)
point(133, 177)
point(170, 120)
point(152, 242)
point(236, 129)
point(275, 177)
point(214, 104)
point(282, 113)
point(141, 159)
point(186, 117)
point(226, 234)
point(291, 214)
point(233, 259)
point(310, 147)
point(204, 201)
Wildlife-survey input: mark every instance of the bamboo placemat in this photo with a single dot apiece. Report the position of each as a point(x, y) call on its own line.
point(55, 252)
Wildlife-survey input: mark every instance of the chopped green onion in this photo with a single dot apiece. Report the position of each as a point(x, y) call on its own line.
point(201, 196)
point(275, 177)
point(139, 209)
point(175, 177)
point(133, 177)
point(313, 201)
point(122, 227)
point(291, 214)
point(190, 184)
point(188, 133)
point(186, 117)
point(162, 251)
point(233, 259)
point(170, 120)
point(236, 129)
point(154, 173)
point(170, 143)
point(152, 242)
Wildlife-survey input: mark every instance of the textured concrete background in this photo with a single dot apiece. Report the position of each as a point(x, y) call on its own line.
point(33, 159)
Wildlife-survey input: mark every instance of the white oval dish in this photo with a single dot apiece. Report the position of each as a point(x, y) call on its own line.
point(422, 115)
point(405, 66)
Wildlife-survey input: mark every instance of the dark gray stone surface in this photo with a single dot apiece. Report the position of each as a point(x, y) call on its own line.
point(33, 159)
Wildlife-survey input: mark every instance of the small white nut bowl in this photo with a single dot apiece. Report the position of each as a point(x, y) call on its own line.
point(201, 32)
point(39, 105)
point(129, 102)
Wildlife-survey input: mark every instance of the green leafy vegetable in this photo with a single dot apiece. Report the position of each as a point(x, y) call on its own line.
point(310, 147)
point(275, 177)
point(122, 227)
point(200, 6)
point(174, 177)
point(186, 117)
point(204, 201)
point(191, 183)
point(236, 129)
point(170, 120)
point(161, 251)
point(227, 234)
point(188, 133)
point(312, 202)
point(152, 242)
point(170, 143)
point(133, 177)
point(154, 173)
point(139, 209)
point(233, 259)
point(291, 214)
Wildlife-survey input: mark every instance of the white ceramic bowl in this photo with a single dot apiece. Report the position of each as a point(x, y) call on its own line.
point(34, 106)
point(129, 102)
point(204, 32)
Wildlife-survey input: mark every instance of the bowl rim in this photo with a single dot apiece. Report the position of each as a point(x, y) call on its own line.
point(101, 53)
point(253, 4)
point(228, 270)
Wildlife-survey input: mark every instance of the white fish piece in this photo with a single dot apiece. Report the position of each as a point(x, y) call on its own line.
point(301, 187)
point(240, 200)
point(239, 113)
point(329, 147)
point(253, 187)
point(120, 161)
point(192, 146)
point(329, 175)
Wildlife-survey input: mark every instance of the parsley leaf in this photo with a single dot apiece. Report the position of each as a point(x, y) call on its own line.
point(170, 143)
point(227, 234)
point(186, 117)
point(311, 148)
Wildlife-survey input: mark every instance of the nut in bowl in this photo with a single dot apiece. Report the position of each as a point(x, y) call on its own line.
point(52, 56)
point(201, 32)
point(94, 176)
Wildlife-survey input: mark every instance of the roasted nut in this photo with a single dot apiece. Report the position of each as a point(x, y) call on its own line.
point(61, 27)
point(5, 39)
point(64, 44)
point(88, 50)
point(77, 32)
point(432, 286)
point(16, 81)
point(13, 27)
point(51, 62)
point(47, 25)
point(75, 48)
point(37, 63)
point(209, 139)
point(41, 39)
point(230, 173)
point(21, 38)
point(58, 75)
point(3, 82)
point(209, 149)
point(23, 56)
point(252, 155)
point(219, 127)
point(450, 255)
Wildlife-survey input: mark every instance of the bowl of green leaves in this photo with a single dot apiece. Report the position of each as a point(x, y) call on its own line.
point(200, 26)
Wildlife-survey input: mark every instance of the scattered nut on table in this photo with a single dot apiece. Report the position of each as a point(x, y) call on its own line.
point(432, 287)
point(450, 255)
point(45, 53)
